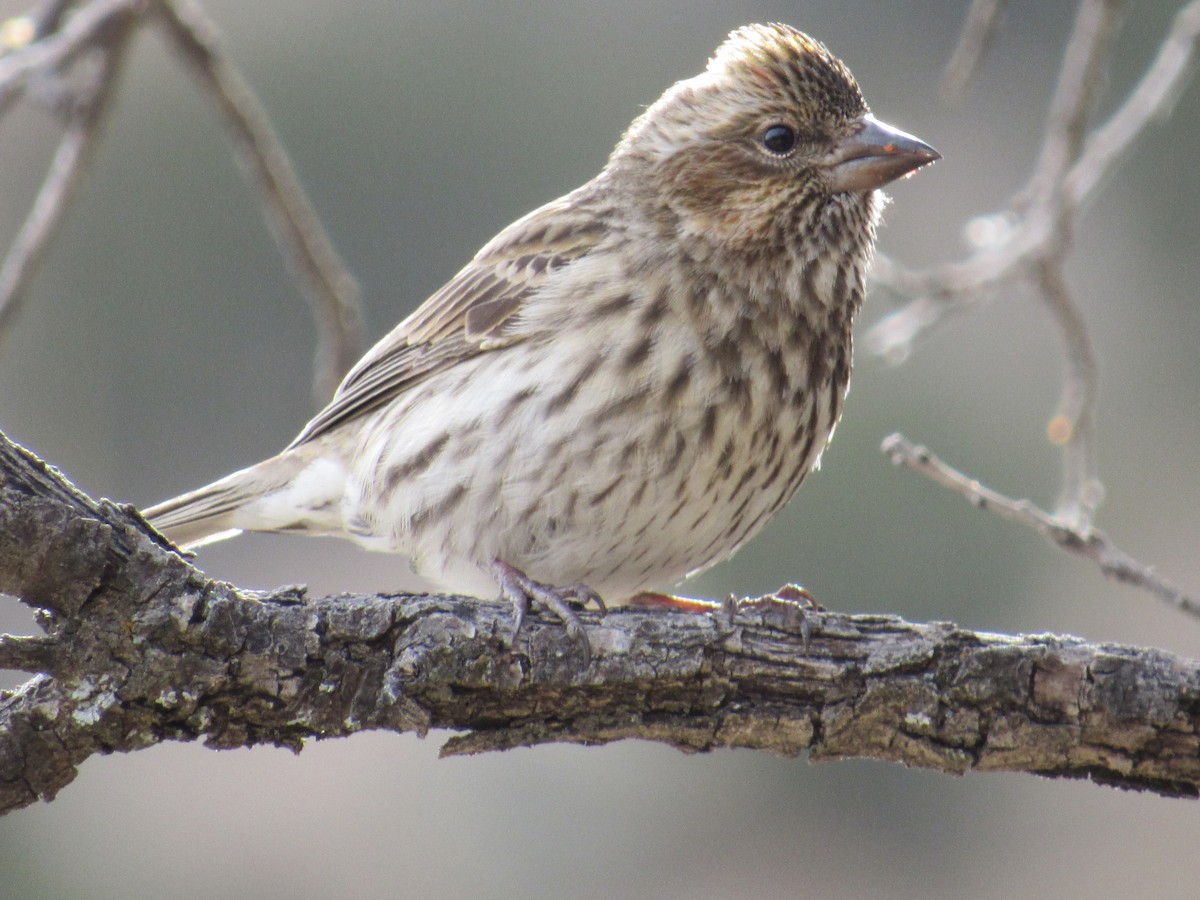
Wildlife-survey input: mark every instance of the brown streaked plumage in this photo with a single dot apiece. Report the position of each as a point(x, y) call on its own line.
point(622, 387)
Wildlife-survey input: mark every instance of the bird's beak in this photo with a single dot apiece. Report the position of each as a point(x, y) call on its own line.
point(874, 155)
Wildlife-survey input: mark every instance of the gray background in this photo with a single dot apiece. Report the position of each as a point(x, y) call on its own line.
point(164, 345)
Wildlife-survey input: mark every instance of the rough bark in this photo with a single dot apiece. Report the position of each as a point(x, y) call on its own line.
point(141, 647)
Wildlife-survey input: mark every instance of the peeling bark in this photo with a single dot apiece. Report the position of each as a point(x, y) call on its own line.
point(141, 647)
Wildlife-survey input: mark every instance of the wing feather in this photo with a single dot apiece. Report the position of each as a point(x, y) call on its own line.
point(469, 314)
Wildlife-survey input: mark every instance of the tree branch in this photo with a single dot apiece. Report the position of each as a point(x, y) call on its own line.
point(141, 647)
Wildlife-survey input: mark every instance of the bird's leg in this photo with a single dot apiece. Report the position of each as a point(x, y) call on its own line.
point(521, 590)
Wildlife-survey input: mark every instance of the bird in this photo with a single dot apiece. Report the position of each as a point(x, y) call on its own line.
point(625, 385)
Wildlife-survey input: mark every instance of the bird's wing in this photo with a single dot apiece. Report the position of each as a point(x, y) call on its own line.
point(469, 315)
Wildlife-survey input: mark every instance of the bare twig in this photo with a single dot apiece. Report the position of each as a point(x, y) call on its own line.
point(1016, 243)
point(1079, 81)
point(52, 54)
point(1012, 244)
point(1087, 542)
point(979, 31)
point(1150, 102)
point(40, 22)
point(86, 115)
point(331, 290)
point(56, 41)
point(48, 16)
point(1073, 426)
point(1030, 243)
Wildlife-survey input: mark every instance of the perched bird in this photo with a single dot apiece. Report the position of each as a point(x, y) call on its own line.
point(625, 385)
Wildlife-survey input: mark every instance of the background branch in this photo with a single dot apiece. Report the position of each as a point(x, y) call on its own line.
point(329, 287)
point(103, 35)
point(1093, 545)
point(1029, 245)
point(983, 21)
point(56, 42)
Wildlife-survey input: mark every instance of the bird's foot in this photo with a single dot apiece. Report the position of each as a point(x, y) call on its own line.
point(791, 597)
point(791, 607)
point(521, 591)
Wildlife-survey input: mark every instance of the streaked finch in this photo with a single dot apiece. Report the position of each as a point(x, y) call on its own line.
point(625, 385)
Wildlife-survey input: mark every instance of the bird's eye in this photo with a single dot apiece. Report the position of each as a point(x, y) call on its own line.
point(779, 139)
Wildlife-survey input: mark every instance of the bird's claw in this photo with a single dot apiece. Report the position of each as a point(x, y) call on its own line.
point(522, 591)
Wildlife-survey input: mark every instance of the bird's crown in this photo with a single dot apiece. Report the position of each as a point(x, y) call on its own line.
point(778, 57)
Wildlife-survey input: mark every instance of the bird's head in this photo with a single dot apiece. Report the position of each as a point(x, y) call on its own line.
point(772, 138)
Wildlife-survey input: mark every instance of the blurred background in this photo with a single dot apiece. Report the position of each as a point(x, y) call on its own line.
point(164, 345)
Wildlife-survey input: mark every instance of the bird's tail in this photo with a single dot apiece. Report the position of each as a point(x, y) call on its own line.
point(259, 498)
